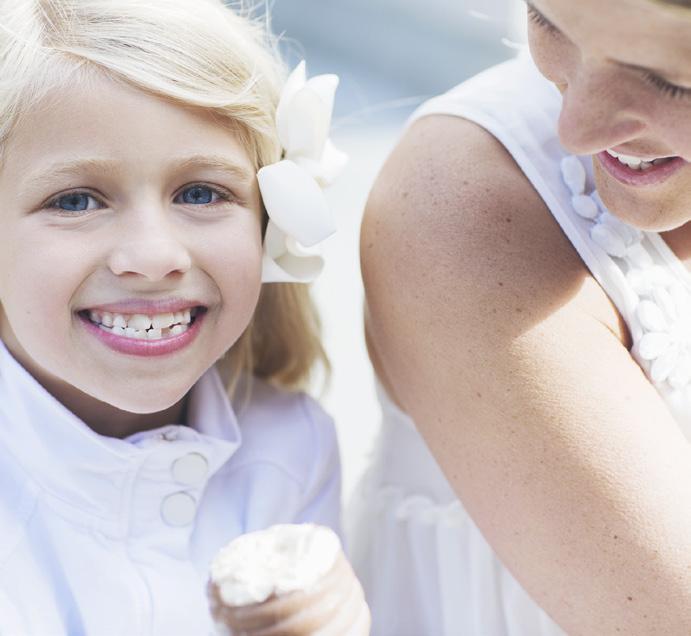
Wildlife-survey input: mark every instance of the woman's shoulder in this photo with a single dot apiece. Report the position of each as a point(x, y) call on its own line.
point(453, 219)
point(510, 359)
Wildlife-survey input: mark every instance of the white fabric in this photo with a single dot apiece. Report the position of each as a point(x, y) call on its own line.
point(425, 567)
point(86, 544)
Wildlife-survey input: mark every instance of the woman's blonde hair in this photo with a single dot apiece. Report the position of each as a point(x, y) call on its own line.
point(197, 53)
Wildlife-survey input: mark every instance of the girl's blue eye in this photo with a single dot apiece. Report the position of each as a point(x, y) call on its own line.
point(200, 195)
point(75, 202)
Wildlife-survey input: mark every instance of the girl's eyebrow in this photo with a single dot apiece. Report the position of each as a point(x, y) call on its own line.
point(71, 168)
point(214, 162)
point(78, 167)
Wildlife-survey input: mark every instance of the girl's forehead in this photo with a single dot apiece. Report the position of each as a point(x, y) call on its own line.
point(104, 123)
point(102, 108)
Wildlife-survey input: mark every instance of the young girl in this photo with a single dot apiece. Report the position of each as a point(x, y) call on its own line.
point(131, 263)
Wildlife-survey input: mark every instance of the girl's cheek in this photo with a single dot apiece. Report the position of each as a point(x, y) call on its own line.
point(239, 267)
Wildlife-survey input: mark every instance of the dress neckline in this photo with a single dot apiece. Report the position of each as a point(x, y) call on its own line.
point(657, 281)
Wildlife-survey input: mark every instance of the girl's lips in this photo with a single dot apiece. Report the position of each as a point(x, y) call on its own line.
point(652, 176)
point(141, 347)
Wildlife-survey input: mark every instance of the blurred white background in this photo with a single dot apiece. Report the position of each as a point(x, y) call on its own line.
point(391, 55)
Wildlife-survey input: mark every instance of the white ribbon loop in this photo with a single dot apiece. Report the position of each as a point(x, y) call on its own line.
point(295, 203)
point(285, 261)
point(291, 189)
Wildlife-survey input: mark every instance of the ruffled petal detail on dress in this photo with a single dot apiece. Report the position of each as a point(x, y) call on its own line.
point(663, 310)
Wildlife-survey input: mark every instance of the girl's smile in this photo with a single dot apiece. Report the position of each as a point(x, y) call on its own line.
point(145, 333)
point(130, 251)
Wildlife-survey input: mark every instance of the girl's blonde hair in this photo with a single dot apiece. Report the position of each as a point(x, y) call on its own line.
point(197, 53)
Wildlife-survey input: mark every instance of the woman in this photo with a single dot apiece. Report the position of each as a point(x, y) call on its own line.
point(539, 342)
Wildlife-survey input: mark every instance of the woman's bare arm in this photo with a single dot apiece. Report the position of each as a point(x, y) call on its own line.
point(514, 365)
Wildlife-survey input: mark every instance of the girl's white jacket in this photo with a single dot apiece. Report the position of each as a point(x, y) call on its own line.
point(104, 536)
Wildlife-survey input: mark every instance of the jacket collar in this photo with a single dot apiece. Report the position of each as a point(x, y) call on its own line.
point(91, 475)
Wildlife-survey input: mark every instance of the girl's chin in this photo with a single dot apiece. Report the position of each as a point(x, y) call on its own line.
point(145, 407)
point(158, 402)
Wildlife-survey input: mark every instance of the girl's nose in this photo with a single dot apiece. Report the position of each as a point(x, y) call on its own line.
point(152, 250)
point(597, 111)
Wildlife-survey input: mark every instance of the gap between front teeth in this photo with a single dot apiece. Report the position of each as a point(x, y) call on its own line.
point(140, 326)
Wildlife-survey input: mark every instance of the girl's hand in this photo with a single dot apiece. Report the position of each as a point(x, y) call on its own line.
point(332, 605)
point(335, 607)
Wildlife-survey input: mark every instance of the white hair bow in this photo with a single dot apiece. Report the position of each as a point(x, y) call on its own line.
point(299, 215)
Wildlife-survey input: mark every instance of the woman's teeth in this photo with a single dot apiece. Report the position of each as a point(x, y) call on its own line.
point(638, 163)
point(143, 327)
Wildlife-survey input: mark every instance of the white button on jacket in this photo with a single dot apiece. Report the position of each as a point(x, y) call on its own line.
point(190, 469)
point(102, 536)
point(178, 509)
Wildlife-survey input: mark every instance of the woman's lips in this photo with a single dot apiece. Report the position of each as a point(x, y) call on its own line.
point(654, 175)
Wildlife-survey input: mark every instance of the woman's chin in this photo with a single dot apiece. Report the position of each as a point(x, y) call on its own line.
point(649, 211)
point(650, 218)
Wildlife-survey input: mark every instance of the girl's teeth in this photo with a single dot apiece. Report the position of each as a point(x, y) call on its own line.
point(135, 333)
point(152, 334)
point(176, 330)
point(144, 327)
point(163, 321)
point(140, 322)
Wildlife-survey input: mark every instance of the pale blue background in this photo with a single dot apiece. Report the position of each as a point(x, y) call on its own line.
point(391, 50)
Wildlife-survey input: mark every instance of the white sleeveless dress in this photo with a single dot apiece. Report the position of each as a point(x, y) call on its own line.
point(426, 569)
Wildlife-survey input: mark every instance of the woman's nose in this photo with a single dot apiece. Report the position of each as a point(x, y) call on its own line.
point(151, 249)
point(597, 111)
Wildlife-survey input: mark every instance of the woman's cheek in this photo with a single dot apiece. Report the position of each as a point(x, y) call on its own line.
point(673, 127)
point(548, 55)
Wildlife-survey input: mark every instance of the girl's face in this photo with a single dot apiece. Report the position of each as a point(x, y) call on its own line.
point(123, 210)
point(624, 69)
